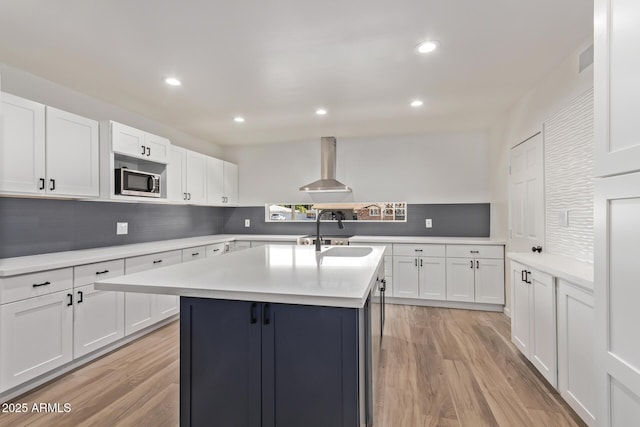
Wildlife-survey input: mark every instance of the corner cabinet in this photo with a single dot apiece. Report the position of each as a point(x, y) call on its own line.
point(313, 350)
point(47, 151)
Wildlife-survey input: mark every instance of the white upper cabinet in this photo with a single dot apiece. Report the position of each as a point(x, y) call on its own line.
point(138, 143)
point(222, 182)
point(22, 152)
point(186, 176)
point(63, 160)
point(617, 66)
point(72, 154)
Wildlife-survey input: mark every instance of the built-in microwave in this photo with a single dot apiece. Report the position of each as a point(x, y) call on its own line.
point(137, 183)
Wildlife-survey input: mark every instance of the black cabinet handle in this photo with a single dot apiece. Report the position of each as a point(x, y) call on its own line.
point(416, 261)
point(158, 261)
point(477, 264)
point(42, 183)
point(80, 297)
point(537, 249)
point(252, 313)
point(418, 250)
point(53, 185)
point(143, 150)
point(216, 250)
point(420, 262)
point(266, 315)
point(475, 252)
point(383, 285)
point(189, 196)
point(195, 254)
point(523, 276)
point(148, 151)
point(37, 285)
point(101, 272)
point(70, 296)
point(527, 277)
point(471, 264)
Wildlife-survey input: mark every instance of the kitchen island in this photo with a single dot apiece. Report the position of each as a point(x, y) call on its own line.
point(274, 335)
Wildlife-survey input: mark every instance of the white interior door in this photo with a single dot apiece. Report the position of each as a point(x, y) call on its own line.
point(526, 200)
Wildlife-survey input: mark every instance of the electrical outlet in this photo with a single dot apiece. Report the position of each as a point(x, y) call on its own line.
point(122, 228)
point(247, 223)
point(428, 223)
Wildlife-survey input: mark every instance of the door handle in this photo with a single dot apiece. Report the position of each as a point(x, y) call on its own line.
point(416, 261)
point(471, 264)
point(523, 276)
point(80, 297)
point(42, 184)
point(144, 149)
point(189, 196)
point(420, 262)
point(252, 313)
point(266, 318)
point(527, 277)
point(185, 196)
point(148, 151)
point(537, 249)
point(70, 302)
point(477, 264)
point(53, 184)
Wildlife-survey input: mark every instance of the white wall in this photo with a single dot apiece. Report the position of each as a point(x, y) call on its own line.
point(521, 121)
point(432, 168)
point(23, 84)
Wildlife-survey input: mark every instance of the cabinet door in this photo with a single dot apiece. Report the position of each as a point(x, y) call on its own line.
point(157, 148)
point(576, 378)
point(167, 306)
point(230, 183)
point(127, 140)
point(617, 65)
point(405, 277)
point(217, 249)
point(543, 353)
point(490, 281)
point(433, 283)
point(22, 150)
point(460, 279)
point(140, 311)
point(72, 154)
point(520, 303)
point(310, 366)
point(35, 337)
point(220, 363)
point(98, 319)
point(215, 180)
point(176, 179)
point(196, 172)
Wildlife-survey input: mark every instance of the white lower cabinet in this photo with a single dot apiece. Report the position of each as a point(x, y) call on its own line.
point(576, 376)
point(520, 302)
point(460, 279)
point(194, 254)
point(35, 337)
point(419, 277)
point(98, 316)
point(142, 310)
point(475, 280)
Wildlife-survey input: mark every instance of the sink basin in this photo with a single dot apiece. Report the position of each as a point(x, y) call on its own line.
point(346, 251)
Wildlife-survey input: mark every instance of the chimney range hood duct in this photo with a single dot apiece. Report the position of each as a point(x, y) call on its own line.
point(327, 182)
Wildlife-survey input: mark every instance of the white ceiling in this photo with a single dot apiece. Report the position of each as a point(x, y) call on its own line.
point(275, 61)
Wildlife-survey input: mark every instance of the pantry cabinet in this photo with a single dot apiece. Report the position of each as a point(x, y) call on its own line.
point(47, 151)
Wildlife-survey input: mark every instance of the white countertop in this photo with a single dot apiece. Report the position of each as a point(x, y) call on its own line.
point(569, 269)
point(271, 273)
point(426, 239)
point(29, 264)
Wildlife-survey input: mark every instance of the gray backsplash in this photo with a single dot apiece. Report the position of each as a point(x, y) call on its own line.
point(449, 220)
point(36, 226)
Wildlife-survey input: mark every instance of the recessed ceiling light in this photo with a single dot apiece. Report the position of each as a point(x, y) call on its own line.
point(416, 103)
point(321, 111)
point(428, 46)
point(172, 81)
point(238, 119)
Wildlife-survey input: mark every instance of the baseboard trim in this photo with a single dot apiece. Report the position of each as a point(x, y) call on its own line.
point(76, 363)
point(446, 304)
point(507, 312)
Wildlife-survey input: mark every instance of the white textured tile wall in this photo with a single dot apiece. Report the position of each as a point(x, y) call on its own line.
point(568, 145)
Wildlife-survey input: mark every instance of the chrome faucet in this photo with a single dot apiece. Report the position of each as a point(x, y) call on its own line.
point(339, 216)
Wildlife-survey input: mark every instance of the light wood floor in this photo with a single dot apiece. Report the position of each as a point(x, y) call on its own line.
point(439, 367)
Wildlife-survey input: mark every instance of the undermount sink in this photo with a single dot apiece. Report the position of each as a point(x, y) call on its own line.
point(347, 251)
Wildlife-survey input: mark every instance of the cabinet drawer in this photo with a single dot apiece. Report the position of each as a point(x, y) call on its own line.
point(192, 254)
point(407, 249)
point(147, 262)
point(475, 251)
point(215, 250)
point(87, 274)
point(30, 285)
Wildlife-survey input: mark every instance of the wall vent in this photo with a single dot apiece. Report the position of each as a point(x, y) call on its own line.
point(586, 59)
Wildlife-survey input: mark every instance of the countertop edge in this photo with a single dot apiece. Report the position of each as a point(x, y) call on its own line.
point(579, 273)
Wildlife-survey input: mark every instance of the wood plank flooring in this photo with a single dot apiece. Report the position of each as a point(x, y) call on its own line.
point(439, 367)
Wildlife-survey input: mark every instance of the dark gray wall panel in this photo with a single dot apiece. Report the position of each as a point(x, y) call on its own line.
point(35, 226)
point(449, 220)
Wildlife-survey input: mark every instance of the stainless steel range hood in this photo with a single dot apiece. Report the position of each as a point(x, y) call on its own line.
point(327, 182)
